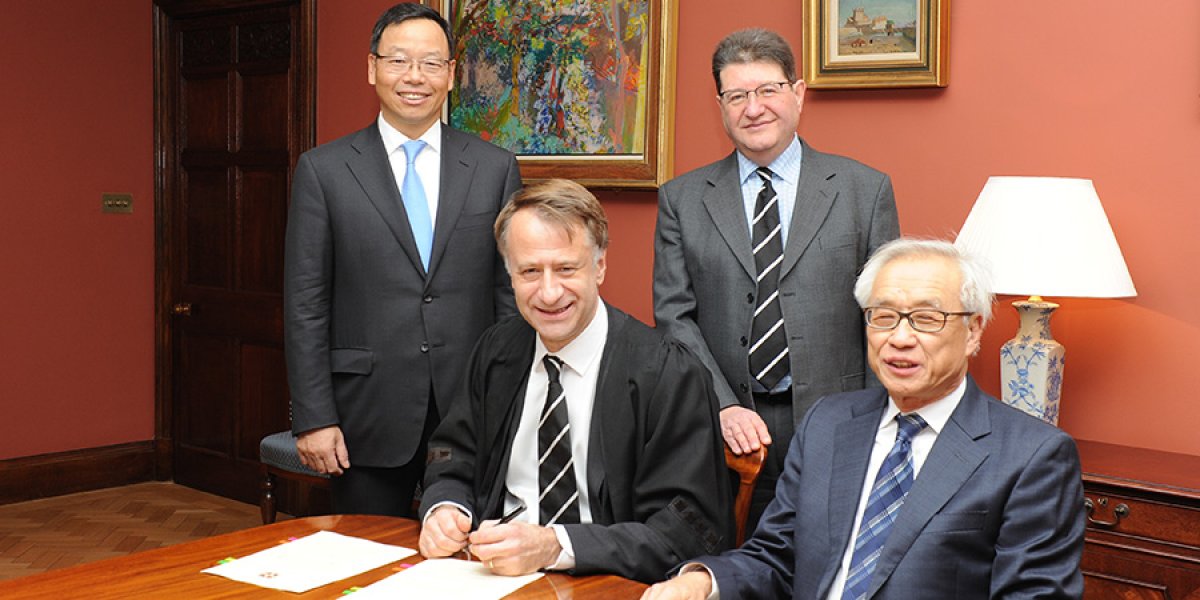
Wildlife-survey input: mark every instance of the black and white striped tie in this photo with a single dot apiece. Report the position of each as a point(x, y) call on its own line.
point(558, 501)
point(768, 350)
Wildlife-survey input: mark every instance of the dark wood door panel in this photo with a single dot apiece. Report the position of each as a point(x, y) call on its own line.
point(234, 110)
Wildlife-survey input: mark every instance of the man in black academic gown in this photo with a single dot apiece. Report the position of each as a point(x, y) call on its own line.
point(600, 434)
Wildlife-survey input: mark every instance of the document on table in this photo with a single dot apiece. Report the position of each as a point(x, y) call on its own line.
point(445, 578)
point(311, 561)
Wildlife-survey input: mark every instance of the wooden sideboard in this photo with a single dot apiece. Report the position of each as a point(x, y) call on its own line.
point(1143, 532)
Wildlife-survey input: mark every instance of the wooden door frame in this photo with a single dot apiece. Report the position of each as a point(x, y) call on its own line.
point(165, 169)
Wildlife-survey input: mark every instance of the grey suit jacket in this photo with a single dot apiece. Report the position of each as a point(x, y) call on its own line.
point(996, 511)
point(704, 275)
point(369, 335)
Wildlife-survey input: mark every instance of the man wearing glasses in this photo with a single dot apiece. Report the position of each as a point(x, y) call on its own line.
point(928, 488)
point(391, 272)
point(755, 256)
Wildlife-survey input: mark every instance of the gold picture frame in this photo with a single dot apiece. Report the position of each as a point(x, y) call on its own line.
point(641, 149)
point(852, 44)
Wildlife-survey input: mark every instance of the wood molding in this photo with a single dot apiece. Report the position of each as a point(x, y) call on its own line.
point(46, 475)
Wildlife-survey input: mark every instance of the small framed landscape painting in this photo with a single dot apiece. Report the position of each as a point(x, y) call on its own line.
point(876, 43)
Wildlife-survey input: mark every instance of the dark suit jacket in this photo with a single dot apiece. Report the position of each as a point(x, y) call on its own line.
point(704, 274)
point(996, 511)
point(657, 481)
point(369, 335)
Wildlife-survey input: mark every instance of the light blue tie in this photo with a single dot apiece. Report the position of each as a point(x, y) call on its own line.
point(887, 496)
point(415, 204)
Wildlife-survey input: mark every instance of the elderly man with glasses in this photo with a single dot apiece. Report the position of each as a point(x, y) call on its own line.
point(928, 488)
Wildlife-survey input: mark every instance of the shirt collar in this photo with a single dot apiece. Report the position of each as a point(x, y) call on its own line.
point(786, 166)
point(393, 139)
point(582, 352)
point(936, 413)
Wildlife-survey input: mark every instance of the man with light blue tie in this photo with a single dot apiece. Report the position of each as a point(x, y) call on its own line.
point(391, 273)
point(928, 488)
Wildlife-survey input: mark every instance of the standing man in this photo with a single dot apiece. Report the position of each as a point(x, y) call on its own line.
point(756, 254)
point(391, 273)
point(603, 429)
point(928, 488)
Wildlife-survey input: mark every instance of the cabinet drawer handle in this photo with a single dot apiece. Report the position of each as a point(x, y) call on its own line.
point(1121, 511)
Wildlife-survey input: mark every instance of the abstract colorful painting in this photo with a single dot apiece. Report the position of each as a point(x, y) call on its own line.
point(554, 77)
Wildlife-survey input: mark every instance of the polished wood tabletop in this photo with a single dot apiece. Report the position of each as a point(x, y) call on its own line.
point(174, 571)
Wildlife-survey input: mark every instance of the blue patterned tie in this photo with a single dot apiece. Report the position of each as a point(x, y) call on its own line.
point(887, 496)
point(415, 204)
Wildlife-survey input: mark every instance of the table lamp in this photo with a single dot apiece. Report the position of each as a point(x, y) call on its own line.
point(1043, 236)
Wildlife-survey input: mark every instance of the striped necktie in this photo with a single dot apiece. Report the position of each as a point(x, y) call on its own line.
point(887, 496)
point(558, 501)
point(769, 350)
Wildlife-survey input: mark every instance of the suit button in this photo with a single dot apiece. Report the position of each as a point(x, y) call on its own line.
point(744, 342)
point(424, 347)
point(745, 388)
point(428, 299)
point(750, 298)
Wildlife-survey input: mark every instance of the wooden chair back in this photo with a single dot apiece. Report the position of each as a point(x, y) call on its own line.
point(747, 466)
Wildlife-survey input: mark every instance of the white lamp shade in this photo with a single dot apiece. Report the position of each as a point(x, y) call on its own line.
point(1046, 236)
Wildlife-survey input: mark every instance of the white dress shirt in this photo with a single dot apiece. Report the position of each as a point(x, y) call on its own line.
point(428, 163)
point(581, 367)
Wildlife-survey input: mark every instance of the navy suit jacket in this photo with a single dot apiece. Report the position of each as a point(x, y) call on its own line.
point(996, 511)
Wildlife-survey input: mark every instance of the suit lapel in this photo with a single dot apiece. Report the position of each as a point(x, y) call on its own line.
point(608, 414)
point(502, 410)
point(373, 172)
point(457, 169)
point(814, 198)
point(851, 454)
point(725, 206)
point(954, 457)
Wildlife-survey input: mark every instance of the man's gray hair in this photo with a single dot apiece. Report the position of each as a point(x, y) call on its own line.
point(976, 293)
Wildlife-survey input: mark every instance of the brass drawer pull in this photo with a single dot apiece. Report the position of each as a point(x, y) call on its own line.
point(1121, 511)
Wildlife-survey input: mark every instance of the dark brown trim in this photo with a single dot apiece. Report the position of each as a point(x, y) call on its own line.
point(46, 475)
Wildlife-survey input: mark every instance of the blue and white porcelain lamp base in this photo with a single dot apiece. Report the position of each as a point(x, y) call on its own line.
point(1031, 364)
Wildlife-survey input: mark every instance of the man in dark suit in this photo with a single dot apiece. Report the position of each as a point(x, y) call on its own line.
point(928, 488)
point(631, 479)
point(391, 273)
point(756, 254)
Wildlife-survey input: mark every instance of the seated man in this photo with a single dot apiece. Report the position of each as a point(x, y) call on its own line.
point(961, 495)
point(606, 430)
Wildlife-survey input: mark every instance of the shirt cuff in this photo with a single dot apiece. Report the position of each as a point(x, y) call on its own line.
point(715, 594)
point(566, 557)
point(460, 507)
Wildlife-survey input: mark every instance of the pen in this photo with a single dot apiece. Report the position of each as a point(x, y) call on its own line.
point(516, 512)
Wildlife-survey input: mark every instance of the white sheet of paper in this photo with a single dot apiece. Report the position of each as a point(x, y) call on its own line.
point(311, 561)
point(445, 578)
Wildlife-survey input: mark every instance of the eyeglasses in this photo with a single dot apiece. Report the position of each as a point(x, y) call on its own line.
point(400, 65)
point(925, 320)
point(764, 92)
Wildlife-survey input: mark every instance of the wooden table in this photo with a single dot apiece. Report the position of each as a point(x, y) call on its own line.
point(174, 571)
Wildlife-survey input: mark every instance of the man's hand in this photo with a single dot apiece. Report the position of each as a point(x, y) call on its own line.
point(324, 450)
point(694, 585)
point(444, 532)
point(515, 548)
point(744, 431)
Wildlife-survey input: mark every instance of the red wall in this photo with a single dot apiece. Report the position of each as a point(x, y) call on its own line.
point(1070, 88)
point(77, 309)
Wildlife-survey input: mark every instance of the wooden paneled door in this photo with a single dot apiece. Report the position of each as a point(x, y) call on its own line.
point(234, 91)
